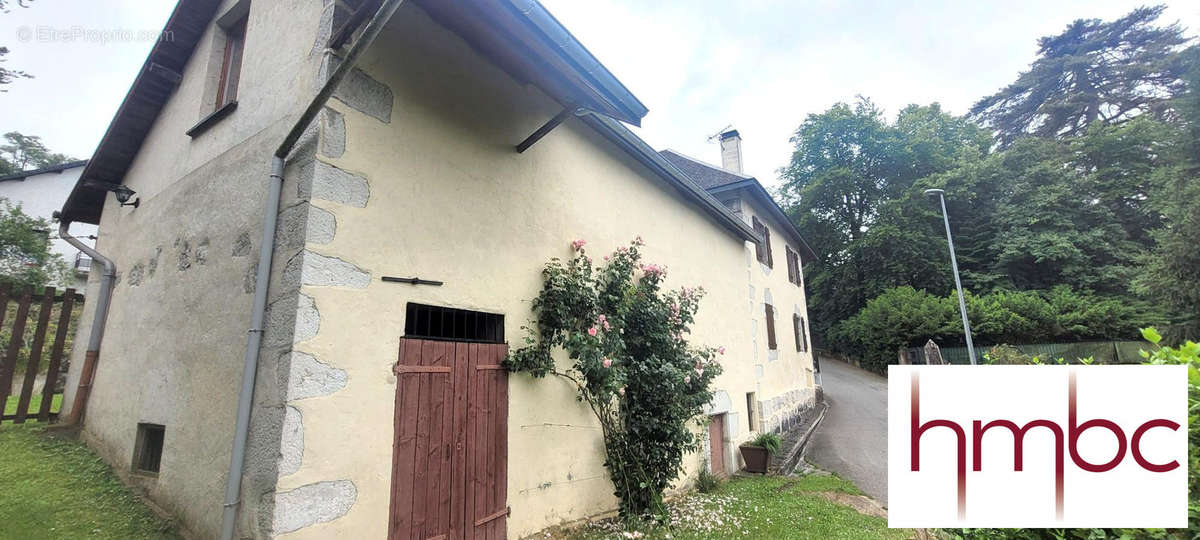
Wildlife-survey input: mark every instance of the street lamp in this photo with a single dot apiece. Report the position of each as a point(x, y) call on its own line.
point(962, 300)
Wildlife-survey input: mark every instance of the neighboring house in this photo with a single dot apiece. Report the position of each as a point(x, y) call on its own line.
point(377, 408)
point(41, 192)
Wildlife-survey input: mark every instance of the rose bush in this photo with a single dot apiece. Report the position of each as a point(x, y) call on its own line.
point(630, 360)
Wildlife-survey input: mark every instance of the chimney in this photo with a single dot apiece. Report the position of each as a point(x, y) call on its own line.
point(731, 151)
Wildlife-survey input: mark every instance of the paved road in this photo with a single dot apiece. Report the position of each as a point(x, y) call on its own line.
point(852, 440)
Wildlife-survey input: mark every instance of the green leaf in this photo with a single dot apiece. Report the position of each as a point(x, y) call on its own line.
point(1151, 335)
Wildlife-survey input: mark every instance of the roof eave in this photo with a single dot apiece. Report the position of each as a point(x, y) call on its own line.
point(759, 192)
point(44, 170)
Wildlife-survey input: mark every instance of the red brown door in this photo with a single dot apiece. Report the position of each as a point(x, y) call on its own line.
point(716, 444)
point(449, 464)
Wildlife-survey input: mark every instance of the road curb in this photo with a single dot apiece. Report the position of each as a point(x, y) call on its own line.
point(796, 454)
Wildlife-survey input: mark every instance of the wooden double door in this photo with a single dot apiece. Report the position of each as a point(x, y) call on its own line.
point(449, 464)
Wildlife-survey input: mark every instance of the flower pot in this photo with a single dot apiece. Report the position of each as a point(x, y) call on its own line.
point(756, 458)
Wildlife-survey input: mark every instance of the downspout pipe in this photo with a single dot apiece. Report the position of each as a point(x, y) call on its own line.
point(92, 357)
point(237, 457)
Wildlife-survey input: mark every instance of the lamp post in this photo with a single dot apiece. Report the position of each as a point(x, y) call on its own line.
point(962, 300)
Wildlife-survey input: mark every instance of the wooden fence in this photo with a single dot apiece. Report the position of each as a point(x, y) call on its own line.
point(23, 345)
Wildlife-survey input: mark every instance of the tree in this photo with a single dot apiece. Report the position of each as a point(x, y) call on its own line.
point(7, 76)
point(848, 168)
point(1094, 71)
point(630, 361)
point(25, 256)
point(1172, 267)
point(24, 152)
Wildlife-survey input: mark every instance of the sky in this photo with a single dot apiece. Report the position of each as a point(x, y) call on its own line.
point(760, 66)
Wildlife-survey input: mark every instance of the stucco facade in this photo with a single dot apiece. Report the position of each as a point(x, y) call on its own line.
point(177, 326)
point(410, 171)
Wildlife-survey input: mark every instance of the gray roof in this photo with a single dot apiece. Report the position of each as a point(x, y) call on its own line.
point(51, 169)
point(707, 176)
point(714, 180)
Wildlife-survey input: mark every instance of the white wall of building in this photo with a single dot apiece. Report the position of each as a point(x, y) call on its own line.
point(40, 195)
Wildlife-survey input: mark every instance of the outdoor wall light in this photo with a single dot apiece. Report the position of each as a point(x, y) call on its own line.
point(123, 195)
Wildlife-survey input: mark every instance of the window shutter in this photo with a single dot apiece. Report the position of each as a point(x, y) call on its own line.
point(803, 335)
point(796, 332)
point(791, 262)
point(759, 253)
point(771, 327)
point(767, 241)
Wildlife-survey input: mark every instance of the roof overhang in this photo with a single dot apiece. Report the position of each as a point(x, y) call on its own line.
point(528, 43)
point(520, 36)
point(765, 199)
point(155, 83)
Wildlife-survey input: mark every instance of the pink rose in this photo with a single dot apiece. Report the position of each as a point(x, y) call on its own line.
point(607, 362)
point(699, 372)
point(687, 379)
point(721, 350)
point(592, 331)
point(578, 244)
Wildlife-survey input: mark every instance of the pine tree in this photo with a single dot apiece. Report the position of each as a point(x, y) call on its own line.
point(1094, 71)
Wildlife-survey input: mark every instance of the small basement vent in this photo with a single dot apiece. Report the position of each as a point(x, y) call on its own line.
point(148, 447)
point(433, 322)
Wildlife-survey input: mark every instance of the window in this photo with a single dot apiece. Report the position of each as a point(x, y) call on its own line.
point(148, 447)
point(801, 334)
point(762, 250)
point(771, 327)
point(793, 262)
point(752, 411)
point(231, 62)
point(433, 322)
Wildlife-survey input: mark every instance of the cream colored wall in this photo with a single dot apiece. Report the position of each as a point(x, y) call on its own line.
point(784, 369)
point(173, 346)
point(450, 200)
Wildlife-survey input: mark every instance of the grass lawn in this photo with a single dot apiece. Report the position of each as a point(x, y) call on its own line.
point(761, 507)
point(35, 403)
point(55, 488)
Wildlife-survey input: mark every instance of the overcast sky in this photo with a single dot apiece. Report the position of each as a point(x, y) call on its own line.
point(698, 65)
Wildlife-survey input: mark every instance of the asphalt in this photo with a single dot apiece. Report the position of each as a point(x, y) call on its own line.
point(852, 440)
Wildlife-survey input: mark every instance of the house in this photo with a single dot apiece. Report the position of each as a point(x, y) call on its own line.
point(465, 145)
point(41, 193)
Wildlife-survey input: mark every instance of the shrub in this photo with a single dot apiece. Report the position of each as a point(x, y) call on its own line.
point(1006, 355)
point(906, 317)
point(707, 482)
point(626, 338)
point(1187, 354)
point(770, 441)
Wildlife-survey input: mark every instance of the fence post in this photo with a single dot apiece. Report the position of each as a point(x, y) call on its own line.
point(35, 354)
point(56, 354)
point(15, 340)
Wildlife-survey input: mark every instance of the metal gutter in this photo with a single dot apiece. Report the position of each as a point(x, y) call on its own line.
point(262, 278)
point(92, 356)
point(620, 135)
